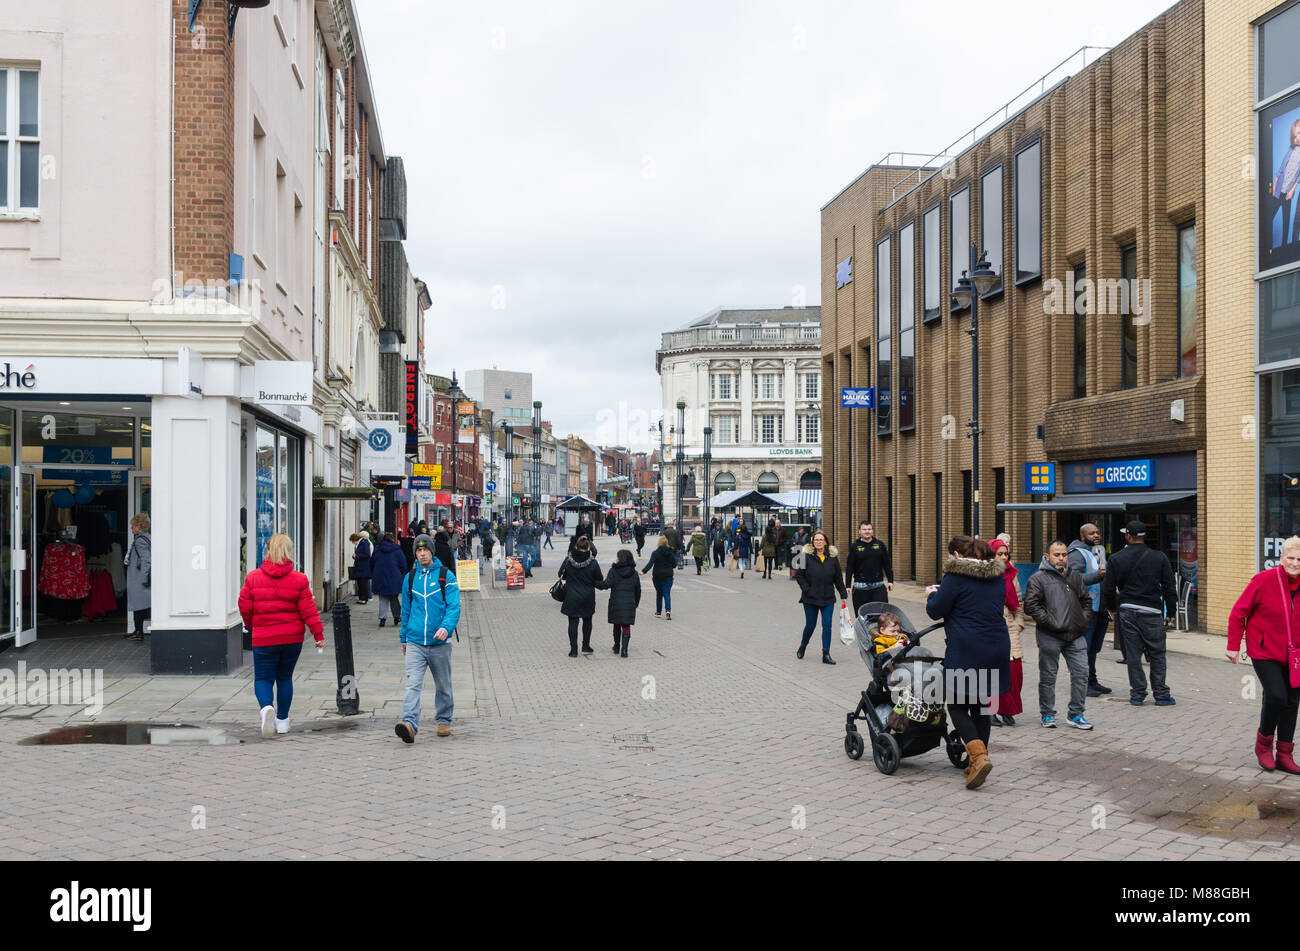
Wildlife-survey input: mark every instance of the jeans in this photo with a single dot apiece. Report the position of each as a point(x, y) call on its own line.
point(438, 661)
point(663, 594)
point(1096, 636)
point(548, 541)
point(526, 552)
point(1050, 649)
point(273, 666)
point(390, 602)
point(1143, 632)
point(810, 612)
point(1281, 700)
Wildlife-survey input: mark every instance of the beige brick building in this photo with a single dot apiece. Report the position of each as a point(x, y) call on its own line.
point(1088, 199)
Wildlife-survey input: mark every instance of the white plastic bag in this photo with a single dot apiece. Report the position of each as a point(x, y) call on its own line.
point(847, 636)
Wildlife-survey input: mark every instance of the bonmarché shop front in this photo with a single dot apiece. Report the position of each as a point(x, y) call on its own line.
point(88, 444)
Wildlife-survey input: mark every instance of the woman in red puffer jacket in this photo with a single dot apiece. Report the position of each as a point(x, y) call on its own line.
point(1266, 615)
point(276, 603)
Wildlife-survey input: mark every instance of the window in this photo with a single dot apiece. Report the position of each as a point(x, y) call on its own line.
point(809, 427)
point(1078, 283)
point(1128, 271)
point(722, 386)
point(255, 202)
point(1187, 363)
point(725, 482)
point(20, 145)
point(768, 482)
point(966, 495)
point(812, 388)
point(769, 386)
point(1279, 318)
point(959, 245)
point(340, 137)
point(931, 284)
point(770, 427)
point(1279, 36)
point(724, 430)
point(906, 328)
point(991, 222)
point(999, 496)
point(884, 265)
point(1029, 213)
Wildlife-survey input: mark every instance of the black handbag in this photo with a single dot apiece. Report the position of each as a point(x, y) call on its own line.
point(352, 572)
point(557, 589)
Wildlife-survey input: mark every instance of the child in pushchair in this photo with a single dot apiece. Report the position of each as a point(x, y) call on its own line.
point(902, 705)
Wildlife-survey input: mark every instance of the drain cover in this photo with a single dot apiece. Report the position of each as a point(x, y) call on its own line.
point(633, 741)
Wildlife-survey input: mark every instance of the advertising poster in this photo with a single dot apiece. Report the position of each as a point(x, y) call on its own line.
point(1279, 183)
point(467, 575)
point(514, 574)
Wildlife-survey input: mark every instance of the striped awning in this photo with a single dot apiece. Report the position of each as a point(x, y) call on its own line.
point(799, 499)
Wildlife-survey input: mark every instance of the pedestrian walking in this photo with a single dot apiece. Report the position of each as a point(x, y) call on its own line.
point(362, 565)
point(1059, 604)
point(768, 548)
point(1086, 560)
point(1009, 705)
point(430, 613)
point(699, 548)
point(719, 546)
point(1137, 590)
point(744, 548)
point(550, 530)
point(976, 659)
point(582, 578)
point(442, 549)
point(139, 575)
point(390, 568)
point(1266, 616)
point(489, 543)
point(276, 603)
point(638, 532)
point(778, 539)
point(624, 586)
point(662, 562)
point(820, 580)
point(573, 543)
point(870, 570)
point(674, 543)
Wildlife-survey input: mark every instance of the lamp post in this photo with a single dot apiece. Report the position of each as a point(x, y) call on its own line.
point(661, 472)
point(454, 391)
point(708, 473)
point(681, 459)
point(537, 457)
point(509, 480)
point(970, 287)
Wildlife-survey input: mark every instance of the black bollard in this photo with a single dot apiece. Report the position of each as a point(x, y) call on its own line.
point(347, 696)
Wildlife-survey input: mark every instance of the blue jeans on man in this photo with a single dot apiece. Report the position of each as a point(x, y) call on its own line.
point(438, 661)
point(273, 667)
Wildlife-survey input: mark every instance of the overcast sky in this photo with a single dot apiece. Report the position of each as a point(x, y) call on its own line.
point(584, 176)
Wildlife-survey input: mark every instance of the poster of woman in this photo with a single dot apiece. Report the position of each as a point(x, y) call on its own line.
point(1279, 175)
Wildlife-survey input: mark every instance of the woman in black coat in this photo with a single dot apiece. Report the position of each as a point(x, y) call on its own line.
point(977, 658)
point(363, 566)
point(581, 577)
point(662, 561)
point(624, 586)
point(820, 580)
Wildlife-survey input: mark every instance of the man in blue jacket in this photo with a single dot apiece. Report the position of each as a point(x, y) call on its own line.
point(430, 613)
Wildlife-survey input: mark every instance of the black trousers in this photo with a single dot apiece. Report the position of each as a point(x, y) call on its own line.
point(573, 632)
point(138, 618)
point(1143, 633)
point(767, 565)
point(1281, 700)
point(969, 722)
point(719, 554)
point(863, 596)
point(699, 564)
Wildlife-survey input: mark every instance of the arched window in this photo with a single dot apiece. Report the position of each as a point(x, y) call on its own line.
point(725, 482)
point(810, 480)
point(768, 482)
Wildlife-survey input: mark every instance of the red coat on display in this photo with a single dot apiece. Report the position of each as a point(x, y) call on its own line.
point(276, 603)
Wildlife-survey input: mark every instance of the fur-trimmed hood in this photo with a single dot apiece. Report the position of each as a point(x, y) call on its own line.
point(972, 568)
point(831, 550)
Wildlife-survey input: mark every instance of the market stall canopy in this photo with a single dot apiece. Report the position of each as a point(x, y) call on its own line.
point(1099, 501)
point(798, 499)
point(743, 498)
point(580, 503)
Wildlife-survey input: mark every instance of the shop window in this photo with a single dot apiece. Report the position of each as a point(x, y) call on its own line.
point(1279, 318)
point(884, 324)
point(74, 440)
point(1279, 37)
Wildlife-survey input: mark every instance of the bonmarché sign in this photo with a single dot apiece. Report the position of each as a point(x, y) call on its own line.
point(278, 382)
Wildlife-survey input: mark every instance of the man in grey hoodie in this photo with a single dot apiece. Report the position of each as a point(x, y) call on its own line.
point(1084, 562)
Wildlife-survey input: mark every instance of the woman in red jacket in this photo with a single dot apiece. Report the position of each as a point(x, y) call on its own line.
point(1266, 614)
point(276, 603)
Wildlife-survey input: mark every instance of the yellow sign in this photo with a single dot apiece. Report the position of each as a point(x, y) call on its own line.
point(467, 575)
point(426, 470)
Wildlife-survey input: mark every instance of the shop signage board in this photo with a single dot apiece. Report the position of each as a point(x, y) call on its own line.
point(412, 405)
point(383, 452)
point(514, 574)
point(20, 374)
point(465, 423)
point(858, 397)
point(420, 482)
point(278, 382)
point(467, 576)
point(1040, 478)
point(430, 471)
point(1125, 474)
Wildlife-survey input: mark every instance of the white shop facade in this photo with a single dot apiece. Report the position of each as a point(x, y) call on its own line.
point(218, 454)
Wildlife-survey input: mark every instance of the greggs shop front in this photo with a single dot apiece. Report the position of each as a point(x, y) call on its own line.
point(88, 444)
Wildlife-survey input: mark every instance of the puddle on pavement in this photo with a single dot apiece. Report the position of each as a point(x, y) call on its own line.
point(1172, 797)
point(166, 734)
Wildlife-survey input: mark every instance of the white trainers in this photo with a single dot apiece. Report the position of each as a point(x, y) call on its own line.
point(281, 726)
point(268, 722)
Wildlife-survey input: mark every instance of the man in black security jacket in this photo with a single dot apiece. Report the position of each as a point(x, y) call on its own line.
point(1138, 579)
point(870, 570)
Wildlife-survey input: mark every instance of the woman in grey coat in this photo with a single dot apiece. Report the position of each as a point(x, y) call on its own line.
point(138, 564)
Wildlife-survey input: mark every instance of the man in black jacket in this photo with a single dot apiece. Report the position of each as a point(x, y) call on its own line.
point(869, 569)
point(1060, 606)
point(1137, 591)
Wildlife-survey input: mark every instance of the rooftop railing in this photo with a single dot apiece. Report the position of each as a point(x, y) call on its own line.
point(763, 336)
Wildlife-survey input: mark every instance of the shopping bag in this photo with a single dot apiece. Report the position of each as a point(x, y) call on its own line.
point(847, 636)
point(735, 560)
point(758, 562)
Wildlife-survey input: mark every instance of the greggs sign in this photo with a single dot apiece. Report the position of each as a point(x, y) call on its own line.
point(412, 405)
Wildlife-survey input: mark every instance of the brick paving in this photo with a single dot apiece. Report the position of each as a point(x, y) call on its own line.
point(710, 742)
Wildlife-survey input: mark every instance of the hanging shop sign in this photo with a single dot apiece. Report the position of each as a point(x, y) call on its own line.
point(277, 382)
point(1040, 478)
point(412, 405)
point(465, 422)
point(383, 452)
point(429, 471)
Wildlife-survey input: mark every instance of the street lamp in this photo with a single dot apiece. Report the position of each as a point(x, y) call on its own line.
point(537, 457)
point(455, 392)
point(681, 459)
point(509, 480)
point(661, 472)
point(708, 471)
point(967, 293)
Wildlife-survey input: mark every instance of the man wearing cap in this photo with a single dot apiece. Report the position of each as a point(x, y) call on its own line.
point(430, 612)
point(1137, 591)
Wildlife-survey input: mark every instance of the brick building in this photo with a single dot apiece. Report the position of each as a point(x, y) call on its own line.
point(1091, 343)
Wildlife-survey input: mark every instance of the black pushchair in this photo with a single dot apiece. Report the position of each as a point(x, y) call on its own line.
point(902, 704)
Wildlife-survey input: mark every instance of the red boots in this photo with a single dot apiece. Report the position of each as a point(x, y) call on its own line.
point(1264, 751)
point(1284, 758)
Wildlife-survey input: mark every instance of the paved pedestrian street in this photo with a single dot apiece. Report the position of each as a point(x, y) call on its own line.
point(711, 741)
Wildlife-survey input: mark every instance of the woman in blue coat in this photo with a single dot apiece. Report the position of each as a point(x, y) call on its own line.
point(390, 566)
point(977, 658)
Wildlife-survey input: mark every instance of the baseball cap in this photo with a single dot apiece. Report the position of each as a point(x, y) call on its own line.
point(1135, 528)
